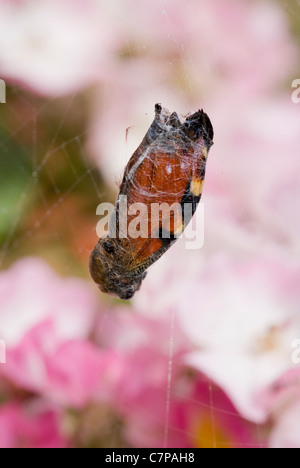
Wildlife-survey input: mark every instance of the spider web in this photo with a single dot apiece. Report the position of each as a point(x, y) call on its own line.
point(41, 165)
point(35, 168)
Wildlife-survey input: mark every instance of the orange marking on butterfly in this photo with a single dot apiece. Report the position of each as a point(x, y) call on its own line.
point(166, 172)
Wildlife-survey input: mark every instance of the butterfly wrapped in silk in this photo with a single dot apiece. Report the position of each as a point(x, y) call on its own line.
point(167, 172)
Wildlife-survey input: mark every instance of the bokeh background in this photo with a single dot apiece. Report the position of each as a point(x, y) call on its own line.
point(206, 354)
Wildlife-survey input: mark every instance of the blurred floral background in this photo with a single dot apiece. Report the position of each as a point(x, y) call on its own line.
point(204, 355)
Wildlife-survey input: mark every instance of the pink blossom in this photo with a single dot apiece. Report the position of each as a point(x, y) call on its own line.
point(140, 391)
point(32, 427)
point(187, 417)
point(285, 433)
point(252, 175)
point(283, 390)
point(31, 292)
point(70, 373)
point(207, 343)
point(242, 316)
point(55, 47)
point(209, 45)
point(161, 404)
point(227, 54)
point(46, 321)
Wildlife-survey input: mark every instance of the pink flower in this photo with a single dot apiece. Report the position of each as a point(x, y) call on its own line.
point(196, 414)
point(227, 54)
point(239, 41)
point(285, 433)
point(55, 47)
point(252, 188)
point(210, 45)
point(30, 293)
point(69, 373)
point(284, 389)
point(160, 402)
point(243, 318)
point(46, 321)
point(33, 427)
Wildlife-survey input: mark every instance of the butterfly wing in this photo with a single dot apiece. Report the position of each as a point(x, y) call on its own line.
point(164, 175)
